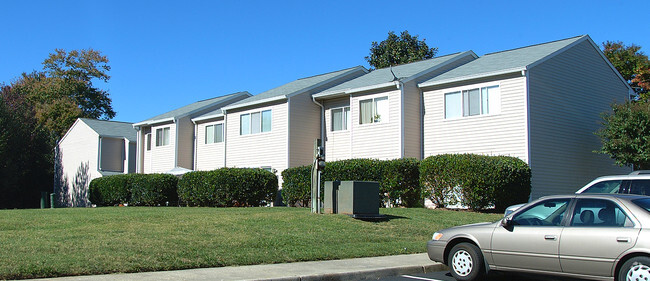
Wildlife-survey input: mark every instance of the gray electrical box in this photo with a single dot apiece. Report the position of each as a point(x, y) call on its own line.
point(351, 197)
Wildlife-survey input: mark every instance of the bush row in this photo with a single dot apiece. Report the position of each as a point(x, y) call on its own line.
point(134, 189)
point(398, 179)
point(475, 181)
point(223, 187)
point(228, 187)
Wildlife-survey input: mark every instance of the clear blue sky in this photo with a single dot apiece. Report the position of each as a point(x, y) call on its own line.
point(166, 54)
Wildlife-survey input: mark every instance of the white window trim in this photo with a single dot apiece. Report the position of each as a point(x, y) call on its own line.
point(349, 123)
point(465, 88)
point(373, 98)
point(250, 129)
point(163, 136)
point(205, 134)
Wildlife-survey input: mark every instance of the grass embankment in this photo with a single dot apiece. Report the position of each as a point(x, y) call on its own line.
point(61, 242)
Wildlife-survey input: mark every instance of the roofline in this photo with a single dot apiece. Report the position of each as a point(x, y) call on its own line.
point(151, 122)
point(602, 55)
point(396, 83)
point(207, 117)
point(286, 96)
point(116, 137)
point(475, 76)
point(70, 129)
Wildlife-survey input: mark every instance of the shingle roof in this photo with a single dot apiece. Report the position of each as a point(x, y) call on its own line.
point(504, 61)
point(191, 108)
point(295, 87)
point(404, 71)
point(111, 128)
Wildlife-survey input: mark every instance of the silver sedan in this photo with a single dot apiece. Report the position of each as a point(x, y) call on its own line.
point(589, 236)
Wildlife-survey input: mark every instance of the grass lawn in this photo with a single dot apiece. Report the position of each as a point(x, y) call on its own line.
point(79, 241)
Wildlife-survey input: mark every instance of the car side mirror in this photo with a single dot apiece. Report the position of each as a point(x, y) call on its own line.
point(507, 222)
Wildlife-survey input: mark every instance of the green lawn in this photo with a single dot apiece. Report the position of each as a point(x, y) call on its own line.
point(79, 241)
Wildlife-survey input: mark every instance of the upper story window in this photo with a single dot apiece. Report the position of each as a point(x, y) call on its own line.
point(471, 102)
point(255, 122)
point(340, 118)
point(147, 138)
point(162, 136)
point(214, 133)
point(373, 110)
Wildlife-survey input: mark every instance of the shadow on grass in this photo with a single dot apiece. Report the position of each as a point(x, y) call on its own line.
point(377, 218)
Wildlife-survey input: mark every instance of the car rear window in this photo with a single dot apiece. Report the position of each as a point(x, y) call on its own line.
point(643, 203)
point(611, 186)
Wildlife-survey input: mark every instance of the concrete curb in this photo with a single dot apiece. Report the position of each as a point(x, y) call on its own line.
point(365, 274)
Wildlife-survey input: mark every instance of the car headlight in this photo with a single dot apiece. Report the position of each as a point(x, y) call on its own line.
point(436, 236)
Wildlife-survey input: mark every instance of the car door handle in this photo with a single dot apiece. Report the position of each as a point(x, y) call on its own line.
point(550, 237)
point(623, 239)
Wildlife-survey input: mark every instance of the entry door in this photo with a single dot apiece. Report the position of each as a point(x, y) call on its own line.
point(533, 240)
point(599, 232)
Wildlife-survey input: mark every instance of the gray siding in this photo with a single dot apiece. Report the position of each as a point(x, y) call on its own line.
point(185, 145)
point(304, 119)
point(567, 94)
point(412, 121)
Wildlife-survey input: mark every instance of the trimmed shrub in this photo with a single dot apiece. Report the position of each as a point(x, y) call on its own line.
point(110, 190)
point(135, 189)
point(483, 181)
point(153, 189)
point(228, 187)
point(398, 179)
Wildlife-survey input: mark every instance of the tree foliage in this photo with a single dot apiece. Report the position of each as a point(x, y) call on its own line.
point(632, 64)
point(626, 134)
point(397, 50)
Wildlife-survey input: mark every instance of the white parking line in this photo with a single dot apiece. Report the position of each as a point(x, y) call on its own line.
point(420, 278)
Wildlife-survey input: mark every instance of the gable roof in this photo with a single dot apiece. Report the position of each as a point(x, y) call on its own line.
point(111, 128)
point(504, 62)
point(296, 87)
point(383, 77)
point(192, 108)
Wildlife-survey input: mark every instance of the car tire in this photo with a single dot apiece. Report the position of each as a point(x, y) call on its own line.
point(637, 268)
point(466, 262)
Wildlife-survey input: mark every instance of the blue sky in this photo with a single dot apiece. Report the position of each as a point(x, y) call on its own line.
point(166, 54)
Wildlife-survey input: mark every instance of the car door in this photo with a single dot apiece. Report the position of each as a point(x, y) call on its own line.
point(599, 231)
point(532, 239)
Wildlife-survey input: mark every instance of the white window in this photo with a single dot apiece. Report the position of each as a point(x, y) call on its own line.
point(162, 136)
point(255, 122)
point(373, 110)
point(471, 102)
point(147, 138)
point(340, 118)
point(214, 133)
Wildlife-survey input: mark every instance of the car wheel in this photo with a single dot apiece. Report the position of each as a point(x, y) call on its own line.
point(637, 268)
point(466, 262)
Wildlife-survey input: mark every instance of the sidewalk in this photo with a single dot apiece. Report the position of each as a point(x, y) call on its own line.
point(350, 269)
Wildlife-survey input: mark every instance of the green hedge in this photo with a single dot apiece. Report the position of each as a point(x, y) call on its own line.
point(398, 179)
point(134, 189)
point(228, 187)
point(478, 181)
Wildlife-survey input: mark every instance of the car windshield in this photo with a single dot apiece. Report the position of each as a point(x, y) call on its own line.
point(643, 203)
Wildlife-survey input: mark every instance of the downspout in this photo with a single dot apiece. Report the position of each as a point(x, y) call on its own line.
point(322, 123)
point(195, 148)
point(138, 154)
point(99, 154)
point(527, 107)
point(225, 136)
point(175, 142)
point(400, 86)
point(421, 97)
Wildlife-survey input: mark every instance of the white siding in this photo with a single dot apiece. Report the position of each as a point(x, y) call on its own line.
point(161, 158)
point(376, 140)
point(567, 95)
point(499, 134)
point(262, 149)
point(209, 156)
point(78, 152)
point(337, 143)
point(305, 129)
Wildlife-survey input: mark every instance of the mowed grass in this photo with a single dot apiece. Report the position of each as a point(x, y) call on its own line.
point(80, 241)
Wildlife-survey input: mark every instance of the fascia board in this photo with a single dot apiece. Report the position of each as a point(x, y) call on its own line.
point(469, 77)
point(208, 117)
point(152, 122)
point(271, 99)
point(356, 90)
point(70, 129)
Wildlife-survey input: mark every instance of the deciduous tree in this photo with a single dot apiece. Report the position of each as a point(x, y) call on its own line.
point(626, 134)
point(632, 64)
point(399, 50)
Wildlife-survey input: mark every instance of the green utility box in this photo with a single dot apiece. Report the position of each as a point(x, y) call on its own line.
point(351, 198)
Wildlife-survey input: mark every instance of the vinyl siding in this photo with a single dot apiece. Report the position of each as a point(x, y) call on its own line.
point(498, 134)
point(412, 123)
point(209, 156)
point(376, 140)
point(185, 145)
point(113, 154)
point(162, 157)
point(305, 128)
point(567, 95)
point(79, 152)
point(262, 149)
point(337, 143)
